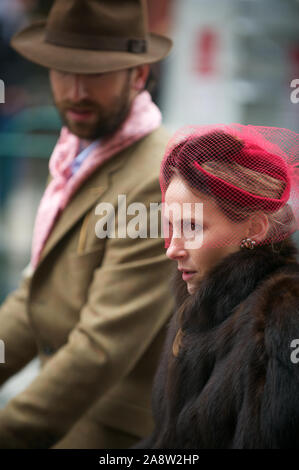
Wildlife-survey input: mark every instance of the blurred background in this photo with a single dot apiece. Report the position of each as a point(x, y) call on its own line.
point(232, 61)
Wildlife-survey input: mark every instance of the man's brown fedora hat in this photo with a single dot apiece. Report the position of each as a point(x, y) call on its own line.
point(92, 36)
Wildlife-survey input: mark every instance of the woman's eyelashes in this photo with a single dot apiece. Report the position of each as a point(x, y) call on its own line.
point(185, 227)
point(191, 227)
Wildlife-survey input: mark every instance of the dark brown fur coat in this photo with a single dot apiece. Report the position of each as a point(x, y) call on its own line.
point(226, 379)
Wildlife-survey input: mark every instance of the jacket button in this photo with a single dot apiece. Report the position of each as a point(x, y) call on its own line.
point(48, 350)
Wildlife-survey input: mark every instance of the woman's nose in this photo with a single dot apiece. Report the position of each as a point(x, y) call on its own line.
point(176, 249)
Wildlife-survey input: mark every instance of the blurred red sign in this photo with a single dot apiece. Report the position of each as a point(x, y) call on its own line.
point(206, 52)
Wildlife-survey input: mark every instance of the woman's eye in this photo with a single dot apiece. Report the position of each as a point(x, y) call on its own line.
point(191, 226)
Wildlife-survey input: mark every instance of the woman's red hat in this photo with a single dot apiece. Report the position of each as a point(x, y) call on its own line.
point(267, 151)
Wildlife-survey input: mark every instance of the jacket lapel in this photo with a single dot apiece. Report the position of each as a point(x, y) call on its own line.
point(83, 200)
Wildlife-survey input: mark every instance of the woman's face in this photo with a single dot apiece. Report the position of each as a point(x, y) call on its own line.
point(216, 235)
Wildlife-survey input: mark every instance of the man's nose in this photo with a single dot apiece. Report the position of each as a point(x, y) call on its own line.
point(176, 249)
point(78, 89)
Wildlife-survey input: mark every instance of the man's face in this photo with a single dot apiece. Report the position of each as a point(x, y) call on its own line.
point(92, 106)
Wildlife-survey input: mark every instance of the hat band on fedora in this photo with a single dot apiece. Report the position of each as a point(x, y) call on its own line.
point(101, 43)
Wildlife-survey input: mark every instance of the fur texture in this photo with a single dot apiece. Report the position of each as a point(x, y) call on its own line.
point(226, 380)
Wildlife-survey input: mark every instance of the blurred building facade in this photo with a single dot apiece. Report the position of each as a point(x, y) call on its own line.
point(233, 61)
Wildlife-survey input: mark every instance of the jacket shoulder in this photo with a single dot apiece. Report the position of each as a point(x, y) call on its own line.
point(150, 150)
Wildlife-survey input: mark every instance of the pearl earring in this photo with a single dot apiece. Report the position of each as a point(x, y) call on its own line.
point(248, 243)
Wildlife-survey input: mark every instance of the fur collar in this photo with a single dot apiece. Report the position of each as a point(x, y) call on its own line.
point(230, 282)
point(226, 370)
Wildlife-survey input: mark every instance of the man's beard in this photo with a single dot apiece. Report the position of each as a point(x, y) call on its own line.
point(104, 122)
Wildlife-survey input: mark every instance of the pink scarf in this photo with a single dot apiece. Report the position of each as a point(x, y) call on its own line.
point(144, 118)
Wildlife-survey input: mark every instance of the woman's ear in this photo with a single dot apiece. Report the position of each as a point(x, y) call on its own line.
point(258, 227)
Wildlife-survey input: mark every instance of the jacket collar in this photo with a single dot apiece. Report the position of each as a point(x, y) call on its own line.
point(91, 192)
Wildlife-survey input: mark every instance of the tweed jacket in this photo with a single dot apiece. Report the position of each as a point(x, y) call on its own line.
point(94, 311)
point(229, 375)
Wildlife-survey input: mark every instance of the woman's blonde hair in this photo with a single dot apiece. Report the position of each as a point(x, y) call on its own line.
point(214, 152)
point(281, 221)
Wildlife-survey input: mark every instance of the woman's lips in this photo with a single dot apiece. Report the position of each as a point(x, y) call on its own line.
point(79, 115)
point(187, 275)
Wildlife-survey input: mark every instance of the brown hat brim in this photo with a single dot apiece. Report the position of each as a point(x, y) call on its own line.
point(31, 44)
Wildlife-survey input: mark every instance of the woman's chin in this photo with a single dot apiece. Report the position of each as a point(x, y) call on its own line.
point(191, 287)
point(194, 283)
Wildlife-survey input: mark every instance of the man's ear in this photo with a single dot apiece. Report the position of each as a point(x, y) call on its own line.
point(258, 227)
point(139, 77)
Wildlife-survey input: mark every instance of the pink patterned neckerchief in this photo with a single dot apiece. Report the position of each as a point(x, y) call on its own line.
point(144, 118)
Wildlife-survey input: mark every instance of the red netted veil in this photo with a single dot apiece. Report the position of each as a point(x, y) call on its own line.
point(244, 168)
